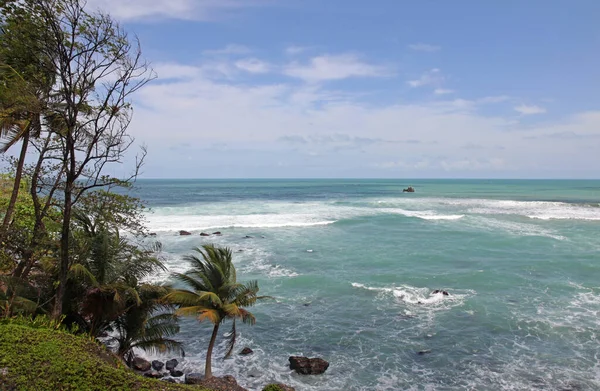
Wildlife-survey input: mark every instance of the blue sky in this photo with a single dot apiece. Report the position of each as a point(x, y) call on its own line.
point(385, 88)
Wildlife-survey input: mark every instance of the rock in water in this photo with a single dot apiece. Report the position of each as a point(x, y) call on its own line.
point(158, 365)
point(184, 233)
point(171, 364)
point(176, 373)
point(245, 351)
point(217, 233)
point(140, 364)
point(409, 189)
point(153, 374)
point(308, 366)
point(194, 378)
point(204, 234)
point(422, 352)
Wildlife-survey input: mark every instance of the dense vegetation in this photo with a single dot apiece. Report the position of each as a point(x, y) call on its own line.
point(40, 359)
point(73, 244)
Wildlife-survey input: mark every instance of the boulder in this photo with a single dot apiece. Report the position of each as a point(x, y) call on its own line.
point(445, 293)
point(278, 387)
point(409, 189)
point(158, 365)
point(153, 374)
point(152, 234)
point(308, 366)
point(204, 234)
point(245, 351)
point(217, 233)
point(184, 233)
point(176, 373)
point(140, 364)
point(423, 352)
point(194, 378)
point(247, 237)
point(171, 364)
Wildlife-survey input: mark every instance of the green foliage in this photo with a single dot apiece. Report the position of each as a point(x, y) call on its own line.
point(43, 359)
point(272, 387)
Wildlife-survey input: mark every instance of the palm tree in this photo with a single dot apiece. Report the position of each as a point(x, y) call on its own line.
point(215, 294)
point(147, 326)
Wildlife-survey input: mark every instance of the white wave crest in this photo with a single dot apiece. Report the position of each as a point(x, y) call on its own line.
point(417, 296)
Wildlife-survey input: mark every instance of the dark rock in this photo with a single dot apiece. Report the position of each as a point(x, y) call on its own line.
point(194, 378)
point(308, 366)
point(169, 380)
point(240, 250)
point(152, 234)
point(422, 352)
point(245, 351)
point(153, 374)
point(171, 364)
point(140, 364)
point(217, 233)
point(247, 237)
point(278, 387)
point(306, 304)
point(158, 365)
point(409, 189)
point(204, 234)
point(176, 373)
point(445, 293)
point(184, 233)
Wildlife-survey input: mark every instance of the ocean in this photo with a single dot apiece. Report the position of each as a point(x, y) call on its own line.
point(352, 265)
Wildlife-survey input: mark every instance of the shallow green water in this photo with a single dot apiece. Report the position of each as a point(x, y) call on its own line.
point(353, 264)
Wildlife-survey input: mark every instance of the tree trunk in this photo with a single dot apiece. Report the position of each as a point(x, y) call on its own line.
point(64, 253)
point(15, 192)
point(208, 366)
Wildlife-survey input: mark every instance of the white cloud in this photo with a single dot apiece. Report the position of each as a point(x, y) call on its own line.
point(227, 50)
point(442, 91)
point(170, 9)
point(494, 99)
point(253, 65)
point(431, 77)
point(529, 110)
point(319, 131)
point(293, 50)
point(424, 47)
point(334, 67)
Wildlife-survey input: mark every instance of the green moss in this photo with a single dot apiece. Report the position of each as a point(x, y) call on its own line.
point(38, 359)
point(272, 387)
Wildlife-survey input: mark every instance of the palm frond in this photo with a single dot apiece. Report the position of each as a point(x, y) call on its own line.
point(231, 337)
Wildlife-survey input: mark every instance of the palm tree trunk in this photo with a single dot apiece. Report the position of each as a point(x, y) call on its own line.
point(208, 366)
point(15, 192)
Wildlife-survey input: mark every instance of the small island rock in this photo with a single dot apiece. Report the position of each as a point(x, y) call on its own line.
point(217, 233)
point(184, 233)
point(409, 189)
point(245, 351)
point(308, 366)
point(171, 364)
point(140, 364)
point(445, 293)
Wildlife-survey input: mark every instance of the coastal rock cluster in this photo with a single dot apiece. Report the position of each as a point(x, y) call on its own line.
point(308, 366)
point(154, 369)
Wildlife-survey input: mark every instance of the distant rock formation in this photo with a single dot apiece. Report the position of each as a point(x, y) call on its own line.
point(204, 234)
point(445, 293)
point(409, 189)
point(245, 351)
point(184, 233)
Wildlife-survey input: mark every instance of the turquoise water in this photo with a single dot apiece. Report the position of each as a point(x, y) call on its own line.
point(352, 264)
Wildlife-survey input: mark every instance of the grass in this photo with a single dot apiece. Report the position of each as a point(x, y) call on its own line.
point(38, 359)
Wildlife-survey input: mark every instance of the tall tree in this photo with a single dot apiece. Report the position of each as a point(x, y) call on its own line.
point(26, 77)
point(97, 69)
point(214, 294)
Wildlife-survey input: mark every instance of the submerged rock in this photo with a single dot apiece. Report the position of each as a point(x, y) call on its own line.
point(217, 233)
point(171, 364)
point(204, 234)
point(308, 366)
point(245, 351)
point(445, 293)
point(422, 352)
point(140, 364)
point(184, 233)
point(158, 365)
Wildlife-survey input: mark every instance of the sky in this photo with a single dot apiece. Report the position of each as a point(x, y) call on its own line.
point(367, 89)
